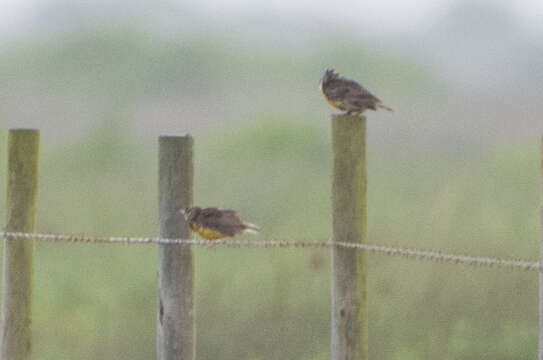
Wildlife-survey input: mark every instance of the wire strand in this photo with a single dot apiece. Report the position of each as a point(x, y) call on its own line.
point(410, 253)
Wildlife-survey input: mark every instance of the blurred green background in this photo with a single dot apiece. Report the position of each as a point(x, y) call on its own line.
point(455, 167)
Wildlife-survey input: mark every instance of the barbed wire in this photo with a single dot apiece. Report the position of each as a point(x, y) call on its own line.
point(411, 253)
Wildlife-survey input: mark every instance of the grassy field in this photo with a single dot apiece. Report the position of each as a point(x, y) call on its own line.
point(98, 301)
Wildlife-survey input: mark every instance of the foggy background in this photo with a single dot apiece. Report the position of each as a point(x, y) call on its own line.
point(454, 167)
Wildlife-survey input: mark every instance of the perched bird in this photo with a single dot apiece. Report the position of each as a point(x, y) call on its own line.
point(347, 95)
point(214, 224)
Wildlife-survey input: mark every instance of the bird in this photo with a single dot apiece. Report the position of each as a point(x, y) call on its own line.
point(348, 95)
point(215, 224)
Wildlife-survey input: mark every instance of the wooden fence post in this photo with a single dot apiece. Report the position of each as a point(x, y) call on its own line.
point(175, 318)
point(15, 331)
point(540, 352)
point(349, 309)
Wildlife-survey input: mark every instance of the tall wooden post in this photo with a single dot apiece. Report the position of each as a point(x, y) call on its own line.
point(540, 352)
point(175, 318)
point(349, 308)
point(22, 191)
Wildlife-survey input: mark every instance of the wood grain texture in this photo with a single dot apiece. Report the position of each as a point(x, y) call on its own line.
point(349, 309)
point(540, 348)
point(22, 191)
point(175, 315)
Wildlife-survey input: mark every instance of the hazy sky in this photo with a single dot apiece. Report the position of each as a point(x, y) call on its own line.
point(391, 14)
point(382, 15)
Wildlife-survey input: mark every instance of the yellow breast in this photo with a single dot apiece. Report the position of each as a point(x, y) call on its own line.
point(335, 104)
point(207, 233)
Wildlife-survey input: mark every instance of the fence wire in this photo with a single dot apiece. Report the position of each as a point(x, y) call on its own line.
point(410, 253)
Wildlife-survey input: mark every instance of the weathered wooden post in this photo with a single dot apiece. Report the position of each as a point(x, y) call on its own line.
point(540, 352)
point(22, 191)
point(175, 318)
point(349, 309)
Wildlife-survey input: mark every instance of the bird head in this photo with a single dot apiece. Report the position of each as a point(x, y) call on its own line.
point(329, 74)
point(190, 213)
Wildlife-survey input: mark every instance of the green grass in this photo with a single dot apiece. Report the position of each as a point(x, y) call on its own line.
point(98, 301)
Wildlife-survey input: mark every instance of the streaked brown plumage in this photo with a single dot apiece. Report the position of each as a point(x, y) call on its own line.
point(347, 95)
point(214, 224)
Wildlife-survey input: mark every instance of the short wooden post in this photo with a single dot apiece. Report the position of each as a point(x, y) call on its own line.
point(175, 318)
point(540, 352)
point(349, 309)
point(15, 331)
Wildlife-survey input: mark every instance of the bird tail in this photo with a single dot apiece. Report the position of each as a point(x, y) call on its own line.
point(250, 228)
point(383, 106)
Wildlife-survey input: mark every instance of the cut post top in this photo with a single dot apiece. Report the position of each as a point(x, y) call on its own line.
point(347, 117)
point(23, 130)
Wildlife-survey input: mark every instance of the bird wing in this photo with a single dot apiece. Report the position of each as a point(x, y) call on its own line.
point(342, 89)
point(361, 97)
point(223, 221)
point(210, 212)
point(208, 217)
